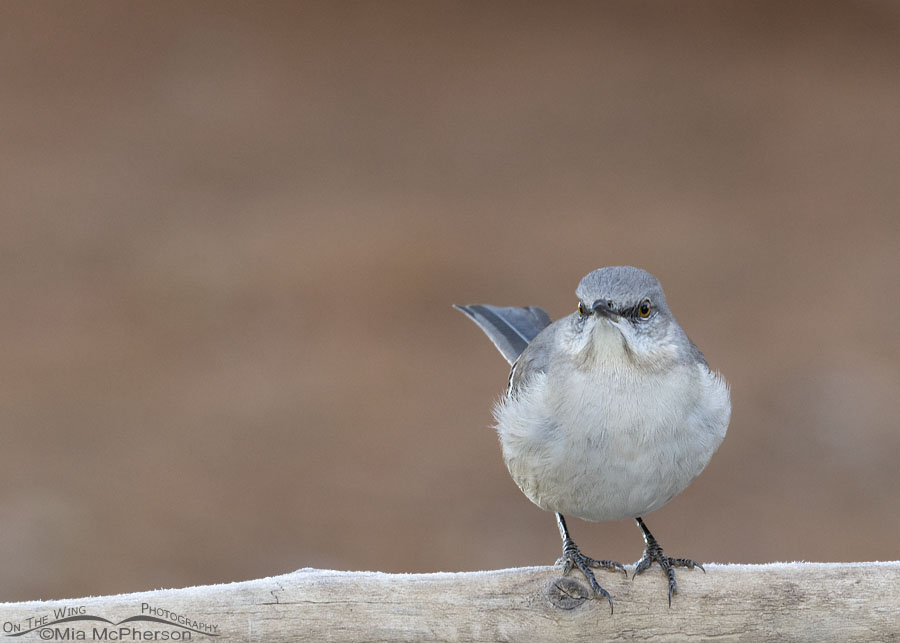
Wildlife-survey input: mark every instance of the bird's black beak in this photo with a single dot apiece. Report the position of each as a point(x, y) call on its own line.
point(604, 308)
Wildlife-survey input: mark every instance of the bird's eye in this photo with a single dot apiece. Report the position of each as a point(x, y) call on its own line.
point(581, 309)
point(644, 309)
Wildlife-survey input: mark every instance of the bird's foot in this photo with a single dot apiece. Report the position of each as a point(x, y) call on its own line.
point(653, 553)
point(572, 557)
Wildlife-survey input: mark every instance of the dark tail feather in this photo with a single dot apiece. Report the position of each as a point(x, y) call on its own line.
point(510, 328)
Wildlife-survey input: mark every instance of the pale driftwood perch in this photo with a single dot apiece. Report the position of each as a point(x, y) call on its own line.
point(796, 601)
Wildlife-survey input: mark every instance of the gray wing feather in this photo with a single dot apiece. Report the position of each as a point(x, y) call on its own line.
point(535, 358)
point(511, 329)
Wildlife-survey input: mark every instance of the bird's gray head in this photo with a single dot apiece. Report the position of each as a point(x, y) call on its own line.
point(622, 316)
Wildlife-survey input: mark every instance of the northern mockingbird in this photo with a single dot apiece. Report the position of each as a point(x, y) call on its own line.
point(609, 412)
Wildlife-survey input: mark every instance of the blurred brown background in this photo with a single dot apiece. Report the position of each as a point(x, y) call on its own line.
point(232, 233)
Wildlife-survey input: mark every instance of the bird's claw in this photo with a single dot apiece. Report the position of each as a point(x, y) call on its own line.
point(572, 557)
point(653, 553)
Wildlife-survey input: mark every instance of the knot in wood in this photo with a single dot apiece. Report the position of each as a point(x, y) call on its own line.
point(566, 593)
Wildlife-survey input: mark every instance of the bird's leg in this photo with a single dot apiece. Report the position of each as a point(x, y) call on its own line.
point(654, 553)
point(572, 557)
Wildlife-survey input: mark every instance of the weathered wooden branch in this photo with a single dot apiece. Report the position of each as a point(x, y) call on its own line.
point(790, 601)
